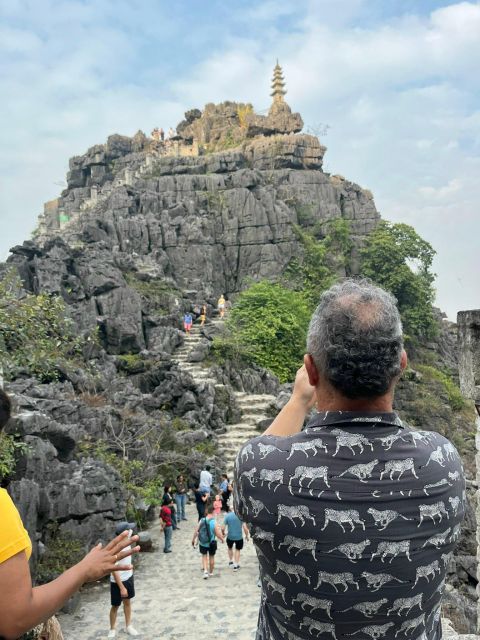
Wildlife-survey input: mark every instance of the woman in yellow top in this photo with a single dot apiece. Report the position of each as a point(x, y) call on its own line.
point(22, 606)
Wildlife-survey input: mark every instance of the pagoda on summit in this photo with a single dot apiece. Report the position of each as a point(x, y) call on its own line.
point(280, 118)
point(278, 84)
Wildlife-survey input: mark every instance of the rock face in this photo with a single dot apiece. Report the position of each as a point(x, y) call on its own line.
point(203, 225)
point(469, 350)
point(469, 367)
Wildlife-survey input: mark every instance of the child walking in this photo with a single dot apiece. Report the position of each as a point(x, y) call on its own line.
point(187, 322)
point(122, 589)
point(166, 525)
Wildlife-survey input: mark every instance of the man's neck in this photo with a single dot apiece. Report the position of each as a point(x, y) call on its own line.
point(337, 402)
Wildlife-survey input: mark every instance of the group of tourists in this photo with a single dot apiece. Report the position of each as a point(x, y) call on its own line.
point(199, 313)
point(210, 524)
point(172, 511)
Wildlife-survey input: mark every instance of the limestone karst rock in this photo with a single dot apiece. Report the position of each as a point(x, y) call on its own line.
point(198, 223)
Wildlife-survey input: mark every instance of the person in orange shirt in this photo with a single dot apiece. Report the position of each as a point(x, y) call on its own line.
point(22, 606)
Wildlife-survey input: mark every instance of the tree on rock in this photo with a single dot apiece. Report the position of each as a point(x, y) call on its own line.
point(37, 337)
point(398, 259)
point(268, 326)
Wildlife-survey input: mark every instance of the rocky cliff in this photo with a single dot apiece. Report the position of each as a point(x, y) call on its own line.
point(192, 226)
point(145, 229)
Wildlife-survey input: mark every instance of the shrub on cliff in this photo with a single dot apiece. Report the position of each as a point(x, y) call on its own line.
point(268, 325)
point(398, 259)
point(36, 334)
point(322, 258)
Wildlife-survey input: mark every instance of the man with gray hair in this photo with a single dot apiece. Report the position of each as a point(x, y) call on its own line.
point(355, 516)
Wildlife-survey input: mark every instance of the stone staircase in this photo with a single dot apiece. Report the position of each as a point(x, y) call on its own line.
point(252, 406)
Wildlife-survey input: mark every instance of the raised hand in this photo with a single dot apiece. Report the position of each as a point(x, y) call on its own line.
point(102, 560)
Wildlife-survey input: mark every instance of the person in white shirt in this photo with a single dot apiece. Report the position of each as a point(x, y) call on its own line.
point(122, 589)
point(206, 480)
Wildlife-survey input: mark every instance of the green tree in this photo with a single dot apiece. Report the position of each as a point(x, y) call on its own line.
point(317, 269)
point(399, 260)
point(268, 325)
point(36, 334)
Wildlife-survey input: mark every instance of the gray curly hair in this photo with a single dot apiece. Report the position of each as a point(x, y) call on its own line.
point(355, 338)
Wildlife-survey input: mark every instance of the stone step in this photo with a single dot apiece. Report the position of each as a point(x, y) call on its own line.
point(234, 443)
point(253, 401)
point(194, 368)
point(248, 400)
point(252, 418)
point(243, 396)
point(239, 429)
point(234, 436)
point(191, 366)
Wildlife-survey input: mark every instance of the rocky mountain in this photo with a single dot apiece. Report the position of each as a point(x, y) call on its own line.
point(201, 225)
point(145, 229)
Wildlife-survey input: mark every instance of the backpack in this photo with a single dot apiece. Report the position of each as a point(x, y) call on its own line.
point(204, 533)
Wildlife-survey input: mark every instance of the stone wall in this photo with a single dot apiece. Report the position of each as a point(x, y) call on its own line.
point(469, 372)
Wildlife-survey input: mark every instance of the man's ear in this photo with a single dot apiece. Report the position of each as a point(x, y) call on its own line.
point(403, 360)
point(311, 368)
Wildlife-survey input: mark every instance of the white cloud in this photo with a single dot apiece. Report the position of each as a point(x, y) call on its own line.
point(444, 192)
point(401, 96)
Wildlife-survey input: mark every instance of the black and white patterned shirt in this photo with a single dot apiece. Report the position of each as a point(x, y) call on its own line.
point(354, 520)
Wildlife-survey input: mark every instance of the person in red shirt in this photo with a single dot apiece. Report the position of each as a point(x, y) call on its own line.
point(166, 524)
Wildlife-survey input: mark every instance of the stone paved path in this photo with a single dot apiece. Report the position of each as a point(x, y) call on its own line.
point(172, 599)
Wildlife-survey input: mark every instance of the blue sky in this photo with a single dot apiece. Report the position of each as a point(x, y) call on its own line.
point(396, 80)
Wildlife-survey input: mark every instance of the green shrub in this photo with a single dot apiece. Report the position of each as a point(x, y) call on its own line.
point(36, 334)
point(155, 290)
point(207, 448)
point(268, 325)
point(62, 551)
point(455, 399)
point(132, 363)
point(10, 448)
point(316, 270)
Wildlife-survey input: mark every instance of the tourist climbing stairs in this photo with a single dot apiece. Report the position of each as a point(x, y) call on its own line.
point(253, 407)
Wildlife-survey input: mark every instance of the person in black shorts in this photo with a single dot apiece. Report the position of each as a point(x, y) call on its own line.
point(122, 589)
point(206, 532)
point(235, 530)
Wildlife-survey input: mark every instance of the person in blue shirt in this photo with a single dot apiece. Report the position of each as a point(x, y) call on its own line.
point(187, 323)
point(206, 532)
point(235, 529)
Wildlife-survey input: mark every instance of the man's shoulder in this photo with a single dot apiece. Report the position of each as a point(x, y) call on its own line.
point(426, 440)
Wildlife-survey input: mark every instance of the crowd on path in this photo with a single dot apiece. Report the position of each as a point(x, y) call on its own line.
point(199, 313)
